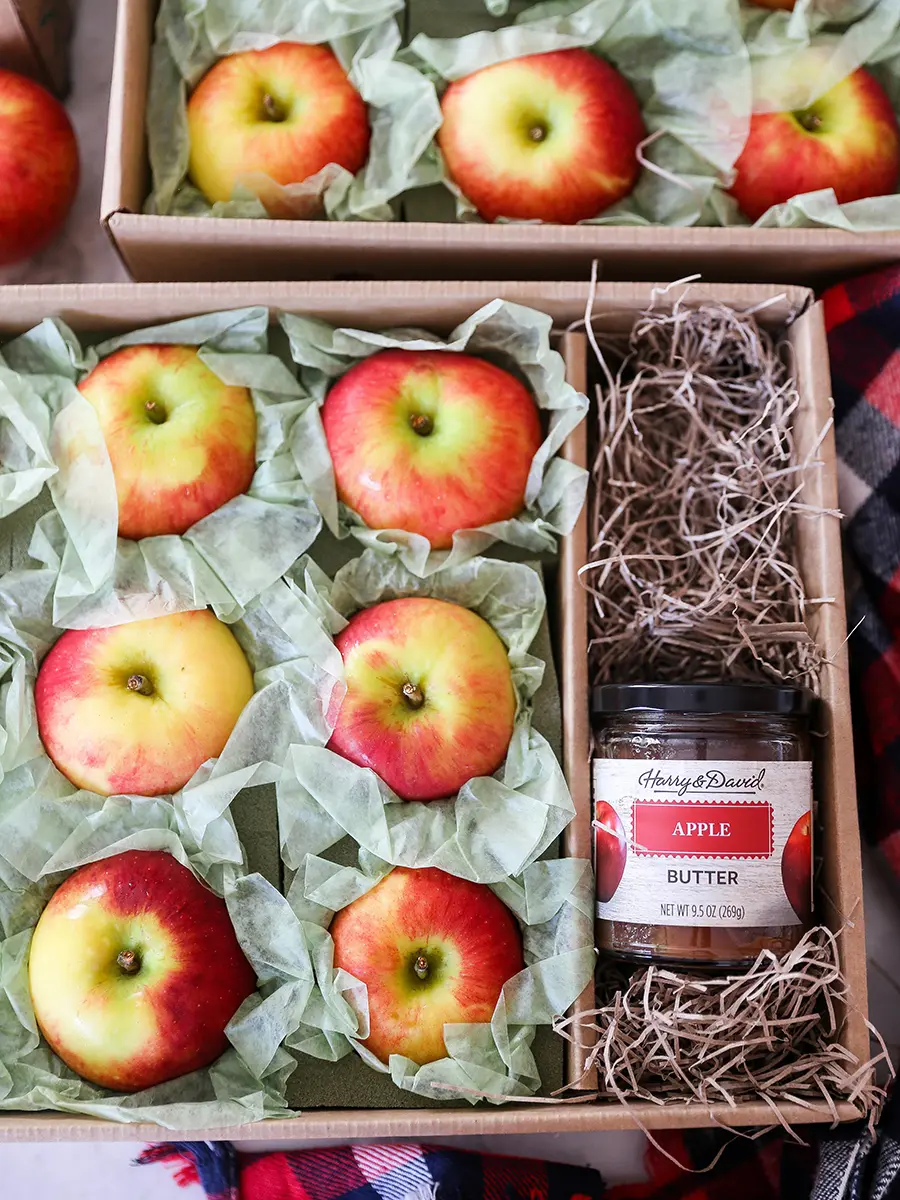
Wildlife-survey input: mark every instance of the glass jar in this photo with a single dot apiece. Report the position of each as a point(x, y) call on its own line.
point(702, 821)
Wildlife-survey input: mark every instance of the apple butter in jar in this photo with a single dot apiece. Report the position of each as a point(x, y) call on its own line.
point(702, 821)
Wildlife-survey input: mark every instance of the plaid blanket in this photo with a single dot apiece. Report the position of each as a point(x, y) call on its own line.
point(398, 1171)
point(863, 321)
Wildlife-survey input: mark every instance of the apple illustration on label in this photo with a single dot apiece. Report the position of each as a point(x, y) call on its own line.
point(847, 140)
point(430, 441)
point(285, 112)
point(547, 137)
point(135, 971)
point(796, 867)
point(432, 950)
point(38, 167)
point(430, 701)
point(181, 442)
point(137, 708)
point(610, 850)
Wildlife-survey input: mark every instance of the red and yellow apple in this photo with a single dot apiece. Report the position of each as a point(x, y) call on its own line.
point(432, 950)
point(137, 708)
point(547, 137)
point(135, 971)
point(38, 167)
point(285, 112)
point(430, 702)
point(431, 442)
point(847, 140)
point(181, 442)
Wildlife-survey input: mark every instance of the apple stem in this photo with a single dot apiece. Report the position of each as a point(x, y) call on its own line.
point(128, 962)
point(140, 684)
point(811, 121)
point(413, 695)
point(155, 412)
point(420, 966)
point(537, 133)
point(421, 424)
point(272, 109)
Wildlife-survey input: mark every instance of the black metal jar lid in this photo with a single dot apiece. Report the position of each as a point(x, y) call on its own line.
point(771, 699)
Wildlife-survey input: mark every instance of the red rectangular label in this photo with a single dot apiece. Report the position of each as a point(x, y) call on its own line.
point(717, 830)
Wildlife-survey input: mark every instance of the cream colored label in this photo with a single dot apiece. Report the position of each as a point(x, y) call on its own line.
point(724, 844)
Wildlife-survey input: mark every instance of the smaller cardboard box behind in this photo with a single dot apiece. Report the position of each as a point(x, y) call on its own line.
point(34, 40)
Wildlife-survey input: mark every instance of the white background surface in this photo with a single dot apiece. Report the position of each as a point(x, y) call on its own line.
point(101, 1171)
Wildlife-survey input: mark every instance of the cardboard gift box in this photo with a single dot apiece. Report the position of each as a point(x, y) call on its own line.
point(113, 308)
point(190, 248)
point(34, 40)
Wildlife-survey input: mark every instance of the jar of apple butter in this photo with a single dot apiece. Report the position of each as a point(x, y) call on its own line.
point(702, 821)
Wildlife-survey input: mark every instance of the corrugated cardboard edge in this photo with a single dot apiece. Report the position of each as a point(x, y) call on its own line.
point(574, 687)
point(125, 171)
point(351, 1125)
point(110, 307)
point(187, 248)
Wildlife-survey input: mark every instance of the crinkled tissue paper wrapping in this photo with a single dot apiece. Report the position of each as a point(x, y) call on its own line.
point(700, 69)
point(48, 827)
point(229, 557)
point(191, 35)
point(553, 902)
point(510, 335)
point(496, 826)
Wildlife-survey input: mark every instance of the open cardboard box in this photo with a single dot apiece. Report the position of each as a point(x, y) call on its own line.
point(189, 248)
point(112, 308)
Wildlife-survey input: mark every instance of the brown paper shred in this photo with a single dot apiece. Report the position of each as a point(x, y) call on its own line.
point(768, 1034)
point(695, 492)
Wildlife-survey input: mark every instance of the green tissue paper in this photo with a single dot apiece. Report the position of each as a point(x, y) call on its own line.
point(191, 35)
point(511, 335)
point(496, 826)
point(795, 58)
point(687, 64)
point(295, 670)
point(235, 1089)
point(226, 559)
point(25, 460)
point(552, 901)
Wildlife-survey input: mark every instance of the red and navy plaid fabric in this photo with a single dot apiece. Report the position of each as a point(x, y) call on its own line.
point(863, 321)
point(760, 1169)
point(399, 1171)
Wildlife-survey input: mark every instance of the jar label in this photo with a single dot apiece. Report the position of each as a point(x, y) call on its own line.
point(719, 844)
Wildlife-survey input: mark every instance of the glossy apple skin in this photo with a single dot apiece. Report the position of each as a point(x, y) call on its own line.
point(181, 442)
point(590, 127)
point(38, 167)
point(470, 469)
point(130, 1032)
point(796, 868)
point(855, 149)
point(459, 664)
point(319, 118)
point(110, 739)
point(610, 851)
point(469, 938)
